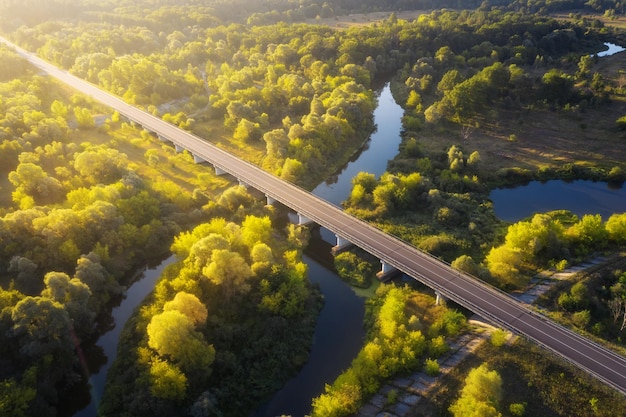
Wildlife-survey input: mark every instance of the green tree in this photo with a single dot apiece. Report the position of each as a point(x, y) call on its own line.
point(190, 306)
point(480, 395)
point(74, 295)
point(171, 334)
point(16, 398)
point(101, 165)
point(32, 181)
point(616, 228)
point(102, 285)
point(167, 381)
point(229, 271)
point(256, 230)
point(42, 327)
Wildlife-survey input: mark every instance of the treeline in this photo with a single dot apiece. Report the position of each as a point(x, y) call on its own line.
point(406, 333)
point(226, 326)
point(611, 7)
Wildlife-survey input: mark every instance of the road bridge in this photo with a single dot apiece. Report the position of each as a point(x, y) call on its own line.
point(493, 305)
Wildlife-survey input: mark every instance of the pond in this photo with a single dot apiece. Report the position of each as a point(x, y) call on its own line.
point(580, 197)
point(612, 50)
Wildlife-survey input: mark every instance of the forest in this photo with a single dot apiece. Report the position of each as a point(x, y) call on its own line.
point(87, 199)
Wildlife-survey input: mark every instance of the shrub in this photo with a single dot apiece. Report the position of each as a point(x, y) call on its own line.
point(498, 337)
point(517, 409)
point(431, 367)
point(392, 397)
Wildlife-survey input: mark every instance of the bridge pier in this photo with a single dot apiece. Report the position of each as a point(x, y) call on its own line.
point(270, 200)
point(240, 181)
point(440, 298)
point(303, 220)
point(220, 171)
point(386, 271)
point(179, 148)
point(341, 245)
point(163, 138)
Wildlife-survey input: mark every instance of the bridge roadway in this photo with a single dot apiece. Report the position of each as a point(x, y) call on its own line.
point(493, 305)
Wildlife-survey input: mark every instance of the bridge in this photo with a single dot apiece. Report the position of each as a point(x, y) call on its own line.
point(484, 300)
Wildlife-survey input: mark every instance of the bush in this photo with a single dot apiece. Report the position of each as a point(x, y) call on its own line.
point(616, 175)
point(621, 123)
point(392, 397)
point(354, 270)
point(431, 367)
point(498, 337)
point(517, 409)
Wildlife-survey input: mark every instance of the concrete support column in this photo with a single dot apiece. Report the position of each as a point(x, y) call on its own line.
point(219, 171)
point(241, 183)
point(197, 159)
point(303, 220)
point(386, 268)
point(163, 138)
point(440, 298)
point(179, 148)
point(386, 272)
point(341, 245)
point(270, 200)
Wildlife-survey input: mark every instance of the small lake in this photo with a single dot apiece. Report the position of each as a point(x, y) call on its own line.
point(613, 49)
point(580, 197)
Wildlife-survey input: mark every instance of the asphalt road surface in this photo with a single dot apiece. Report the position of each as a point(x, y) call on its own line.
point(493, 305)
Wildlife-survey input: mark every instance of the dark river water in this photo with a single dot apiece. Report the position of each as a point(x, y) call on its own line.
point(339, 331)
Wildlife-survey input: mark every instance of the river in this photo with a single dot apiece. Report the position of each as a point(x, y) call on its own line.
point(339, 330)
